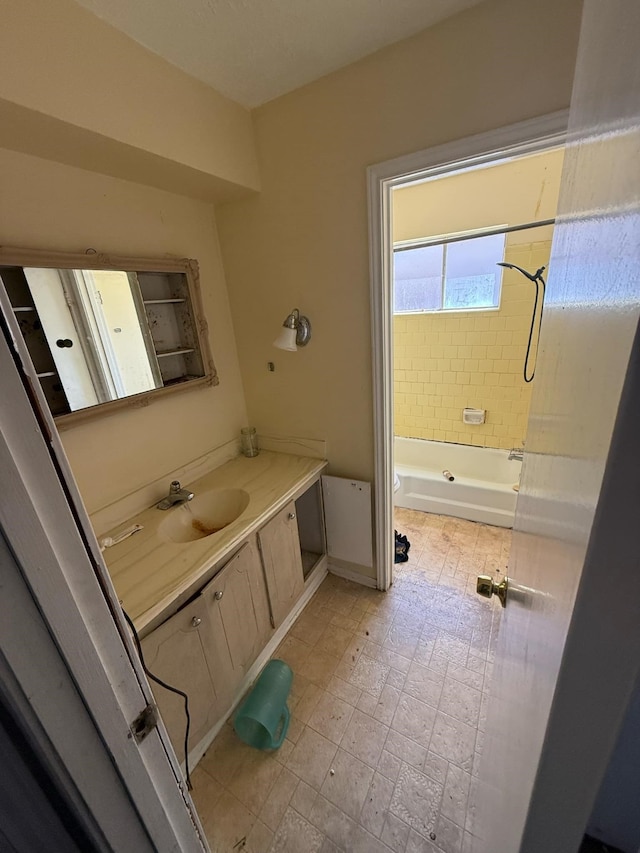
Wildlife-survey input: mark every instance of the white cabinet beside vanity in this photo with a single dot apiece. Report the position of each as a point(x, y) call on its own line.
point(211, 612)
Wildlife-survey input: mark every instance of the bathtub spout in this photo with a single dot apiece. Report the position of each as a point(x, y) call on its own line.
point(448, 475)
point(516, 453)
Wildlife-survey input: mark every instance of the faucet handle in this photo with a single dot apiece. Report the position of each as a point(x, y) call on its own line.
point(175, 487)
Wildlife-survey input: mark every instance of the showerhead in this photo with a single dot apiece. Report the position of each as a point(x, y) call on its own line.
point(539, 282)
point(535, 277)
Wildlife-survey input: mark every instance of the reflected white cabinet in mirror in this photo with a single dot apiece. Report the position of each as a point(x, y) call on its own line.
point(104, 331)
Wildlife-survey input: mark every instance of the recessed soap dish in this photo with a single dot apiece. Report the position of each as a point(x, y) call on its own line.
point(473, 416)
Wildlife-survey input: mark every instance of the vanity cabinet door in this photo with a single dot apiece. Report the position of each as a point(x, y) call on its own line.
point(174, 652)
point(238, 624)
point(280, 548)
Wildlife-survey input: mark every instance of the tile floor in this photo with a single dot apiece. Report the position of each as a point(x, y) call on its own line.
point(388, 705)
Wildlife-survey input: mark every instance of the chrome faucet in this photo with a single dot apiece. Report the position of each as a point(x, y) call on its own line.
point(177, 495)
point(516, 453)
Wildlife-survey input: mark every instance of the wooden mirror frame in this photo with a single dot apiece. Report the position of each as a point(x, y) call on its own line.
point(17, 257)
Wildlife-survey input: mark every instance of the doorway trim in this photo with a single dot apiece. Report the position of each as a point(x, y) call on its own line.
point(525, 137)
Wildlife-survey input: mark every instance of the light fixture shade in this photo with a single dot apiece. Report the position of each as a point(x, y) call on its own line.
point(286, 340)
point(296, 332)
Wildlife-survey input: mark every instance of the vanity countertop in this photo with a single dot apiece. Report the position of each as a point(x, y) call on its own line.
point(152, 575)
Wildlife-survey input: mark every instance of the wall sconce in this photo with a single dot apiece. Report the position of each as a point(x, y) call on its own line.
point(296, 332)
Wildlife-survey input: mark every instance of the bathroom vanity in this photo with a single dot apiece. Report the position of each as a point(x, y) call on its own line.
point(212, 583)
point(211, 610)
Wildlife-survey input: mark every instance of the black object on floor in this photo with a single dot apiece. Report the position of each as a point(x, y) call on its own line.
point(402, 548)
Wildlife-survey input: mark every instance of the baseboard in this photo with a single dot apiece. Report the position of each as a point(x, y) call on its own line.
point(311, 585)
point(350, 573)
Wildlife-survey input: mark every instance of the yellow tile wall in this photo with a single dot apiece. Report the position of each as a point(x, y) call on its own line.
point(446, 361)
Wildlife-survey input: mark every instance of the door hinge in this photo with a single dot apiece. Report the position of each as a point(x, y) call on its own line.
point(145, 722)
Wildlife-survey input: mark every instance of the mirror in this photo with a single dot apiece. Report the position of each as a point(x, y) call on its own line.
point(104, 331)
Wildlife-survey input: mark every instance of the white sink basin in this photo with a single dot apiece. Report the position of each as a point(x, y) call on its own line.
point(204, 515)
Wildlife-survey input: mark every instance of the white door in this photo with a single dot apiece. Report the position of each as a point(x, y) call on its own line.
point(63, 643)
point(569, 645)
point(49, 298)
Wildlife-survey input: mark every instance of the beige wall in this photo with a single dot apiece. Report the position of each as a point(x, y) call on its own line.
point(510, 193)
point(303, 242)
point(75, 89)
point(51, 206)
point(445, 361)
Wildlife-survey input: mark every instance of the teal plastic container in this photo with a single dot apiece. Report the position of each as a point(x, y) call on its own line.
point(263, 718)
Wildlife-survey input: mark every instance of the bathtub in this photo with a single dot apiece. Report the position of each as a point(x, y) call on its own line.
point(483, 485)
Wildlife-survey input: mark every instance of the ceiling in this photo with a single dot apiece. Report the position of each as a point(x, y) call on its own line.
point(255, 50)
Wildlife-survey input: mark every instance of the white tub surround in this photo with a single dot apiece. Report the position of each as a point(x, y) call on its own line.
point(482, 489)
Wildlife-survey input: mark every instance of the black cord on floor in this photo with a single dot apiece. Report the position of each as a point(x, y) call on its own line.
point(166, 686)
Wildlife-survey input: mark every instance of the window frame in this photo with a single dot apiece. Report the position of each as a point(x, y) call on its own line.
point(445, 240)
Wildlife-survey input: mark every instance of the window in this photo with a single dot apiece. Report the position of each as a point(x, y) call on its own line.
point(458, 276)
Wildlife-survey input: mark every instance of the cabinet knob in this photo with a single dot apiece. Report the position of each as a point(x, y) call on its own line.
point(218, 595)
point(292, 515)
point(196, 621)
